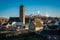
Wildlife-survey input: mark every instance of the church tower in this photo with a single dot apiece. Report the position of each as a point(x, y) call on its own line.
point(21, 14)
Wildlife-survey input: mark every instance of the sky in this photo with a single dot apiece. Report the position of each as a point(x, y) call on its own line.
point(10, 8)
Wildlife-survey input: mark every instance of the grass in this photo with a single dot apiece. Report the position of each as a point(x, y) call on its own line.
point(26, 36)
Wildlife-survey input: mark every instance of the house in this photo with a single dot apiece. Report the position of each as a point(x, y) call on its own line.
point(5, 26)
point(36, 25)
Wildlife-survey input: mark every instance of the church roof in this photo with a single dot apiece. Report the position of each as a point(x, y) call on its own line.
point(16, 19)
